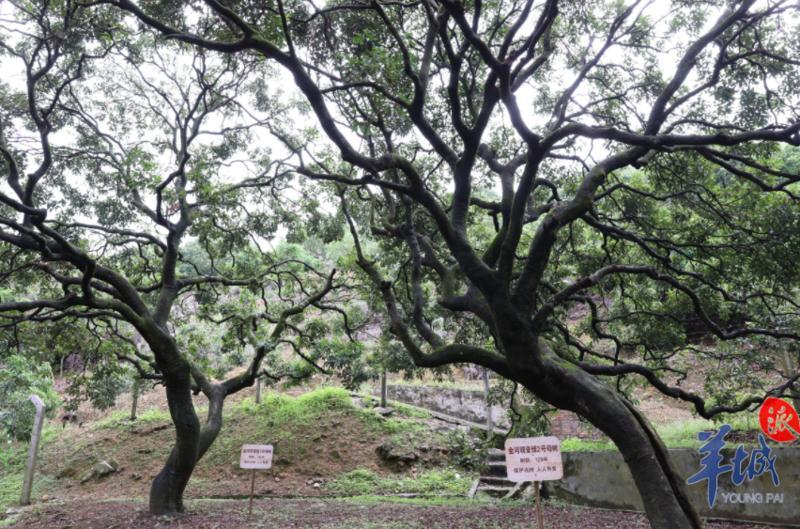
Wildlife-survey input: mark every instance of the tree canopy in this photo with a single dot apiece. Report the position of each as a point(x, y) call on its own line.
point(136, 200)
point(575, 195)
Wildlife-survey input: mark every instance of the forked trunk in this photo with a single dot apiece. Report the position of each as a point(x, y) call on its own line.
point(166, 491)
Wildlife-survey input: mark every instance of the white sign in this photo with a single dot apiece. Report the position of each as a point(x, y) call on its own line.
point(534, 459)
point(258, 457)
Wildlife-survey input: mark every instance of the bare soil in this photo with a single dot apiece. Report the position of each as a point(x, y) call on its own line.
point(331, 514)
point(307, 455)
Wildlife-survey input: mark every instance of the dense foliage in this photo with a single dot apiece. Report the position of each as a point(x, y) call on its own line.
point(19, 379)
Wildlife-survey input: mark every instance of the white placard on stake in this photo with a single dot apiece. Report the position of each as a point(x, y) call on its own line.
point(534, 459)
point(256, 457)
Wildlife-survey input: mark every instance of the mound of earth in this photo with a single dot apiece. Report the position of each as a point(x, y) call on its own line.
point(316, 436)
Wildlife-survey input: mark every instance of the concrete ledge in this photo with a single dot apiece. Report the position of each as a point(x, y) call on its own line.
point(461, 403)
point(602, 479)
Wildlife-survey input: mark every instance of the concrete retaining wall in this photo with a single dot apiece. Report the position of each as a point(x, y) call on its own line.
point(469, 405)
point(602, 479)
point(461, 403)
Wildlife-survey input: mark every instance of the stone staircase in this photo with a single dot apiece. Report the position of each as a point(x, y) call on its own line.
point(494, 482)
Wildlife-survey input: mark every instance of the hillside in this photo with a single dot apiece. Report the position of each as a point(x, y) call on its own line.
point(324, 445)
point(339, 463)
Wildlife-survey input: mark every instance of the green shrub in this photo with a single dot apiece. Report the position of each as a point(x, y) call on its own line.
point(466, 451)
point(19, 378)
point(282, 408)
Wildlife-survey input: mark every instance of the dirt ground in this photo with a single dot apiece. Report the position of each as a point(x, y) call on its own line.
point(331, 514)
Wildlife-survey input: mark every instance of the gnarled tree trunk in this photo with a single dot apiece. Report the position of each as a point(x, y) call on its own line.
point(568, 387)
point(191, 443)
point(166, 492)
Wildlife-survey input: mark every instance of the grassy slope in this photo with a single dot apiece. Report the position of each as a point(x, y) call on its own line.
point(12, 470)
point(323, 445)
point(679, 434)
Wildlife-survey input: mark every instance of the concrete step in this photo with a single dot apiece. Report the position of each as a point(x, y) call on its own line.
point(496, 469)
point(495, 480)
point(506, 491)
point(494, 488)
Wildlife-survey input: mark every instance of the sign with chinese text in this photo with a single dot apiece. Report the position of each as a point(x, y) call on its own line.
point(743, 467)
point(534, 459)
point(779, 420)
point(257, 457)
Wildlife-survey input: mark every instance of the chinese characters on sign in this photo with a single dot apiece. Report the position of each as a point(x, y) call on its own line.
point(743, 467)
point(779, 420)
point(257, 457)
point(533, 459)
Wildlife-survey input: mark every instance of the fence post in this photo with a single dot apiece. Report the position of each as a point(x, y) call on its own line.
point(383, 389)
point(33, 451)
point(486, 389)
point(135, 398)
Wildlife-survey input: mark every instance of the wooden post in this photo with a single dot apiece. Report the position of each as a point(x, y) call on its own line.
point(135, 398)
point(33, 451)
point(539, 516)
point(383, 388)
point(252, 491)
point(258, 390)
point(489, 418)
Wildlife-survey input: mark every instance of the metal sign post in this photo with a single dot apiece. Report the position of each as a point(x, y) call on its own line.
point(539, 516)
point(252, 491)
point(33, 451)
point(255, 457)
point(534, 459)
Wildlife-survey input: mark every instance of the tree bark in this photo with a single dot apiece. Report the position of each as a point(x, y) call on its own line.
point(192, 442)
point(166, 491)
point(663, 492)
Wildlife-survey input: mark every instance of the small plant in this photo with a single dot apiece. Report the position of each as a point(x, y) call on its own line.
point(467, 451)
point(364, 482)
point(358, 482)
point(13, 456)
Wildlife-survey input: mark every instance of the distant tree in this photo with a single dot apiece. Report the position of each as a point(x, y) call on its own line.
point(490, 146)
point(136, 200)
